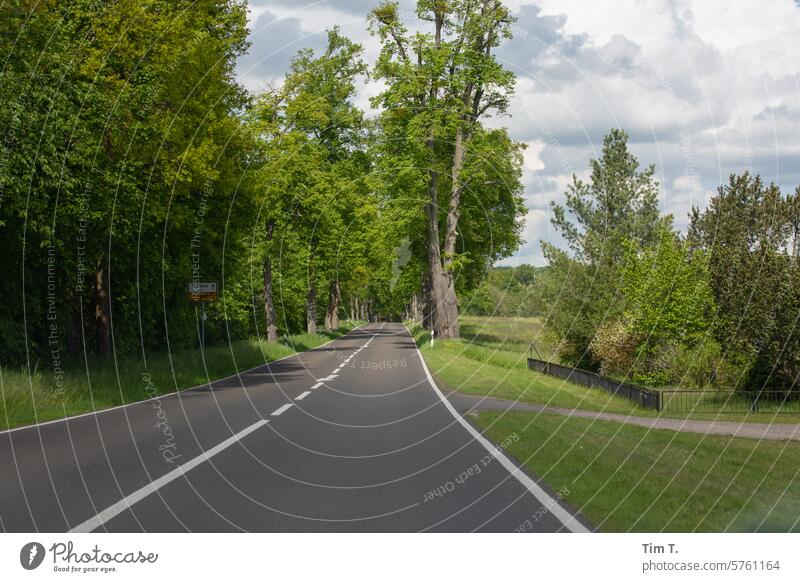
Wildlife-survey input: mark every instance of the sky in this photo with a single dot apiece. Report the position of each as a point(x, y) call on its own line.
point(705, 88)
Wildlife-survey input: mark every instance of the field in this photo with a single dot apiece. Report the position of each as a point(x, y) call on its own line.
point(94, 385)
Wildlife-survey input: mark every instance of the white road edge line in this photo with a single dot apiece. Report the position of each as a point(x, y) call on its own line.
point(303, 395)
point(127, 502)
point(317, 385)
point(564, 516)
point(282, 409)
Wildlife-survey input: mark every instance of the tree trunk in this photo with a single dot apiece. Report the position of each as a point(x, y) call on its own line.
point(454, 208)
point(449, 299)
point(102, 311)
point(416, 312)
point(75, 331)
point(311, 309)
point(334, 302)
point(444, 308)
point(425, 302)
point(269, 303)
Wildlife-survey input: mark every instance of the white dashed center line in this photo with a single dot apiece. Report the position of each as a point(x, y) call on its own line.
point(317, 385)
point(303, 395)
point(282, 409)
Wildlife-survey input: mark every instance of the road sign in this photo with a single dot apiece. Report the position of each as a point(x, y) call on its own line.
point(201, 292)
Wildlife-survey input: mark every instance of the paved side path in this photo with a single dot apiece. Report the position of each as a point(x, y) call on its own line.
point(773, 432)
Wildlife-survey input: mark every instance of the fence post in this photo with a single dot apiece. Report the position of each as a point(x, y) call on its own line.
point(754, 404)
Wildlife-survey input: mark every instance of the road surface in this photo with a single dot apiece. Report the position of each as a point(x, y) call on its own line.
point(351, 436)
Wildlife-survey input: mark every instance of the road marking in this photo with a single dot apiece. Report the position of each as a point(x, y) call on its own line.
point(317, 385)
point(282, 409)
point(561, 514)
point(135, 497)
point(303, 395)
point(331, 377)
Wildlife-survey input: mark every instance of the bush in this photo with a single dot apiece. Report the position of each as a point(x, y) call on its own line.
point(696, 367)
point(614, 346)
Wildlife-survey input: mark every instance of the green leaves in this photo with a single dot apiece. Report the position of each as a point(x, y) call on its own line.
point(750, 233)
point(617, 207)
point(667, 290)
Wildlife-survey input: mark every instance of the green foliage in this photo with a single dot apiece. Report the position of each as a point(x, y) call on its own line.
point(122, 164)
point(750, 232)
point(618, 204)
point(506, 291)
point(455, 183)
point(669, 305)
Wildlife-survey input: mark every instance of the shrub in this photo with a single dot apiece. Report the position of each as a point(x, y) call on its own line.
point(614, 346)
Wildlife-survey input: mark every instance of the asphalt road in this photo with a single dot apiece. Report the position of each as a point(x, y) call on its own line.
point(351, 436)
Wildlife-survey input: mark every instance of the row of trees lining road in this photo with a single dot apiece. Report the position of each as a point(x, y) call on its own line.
point(121, 155)
point(132, 163)
point(632, 297)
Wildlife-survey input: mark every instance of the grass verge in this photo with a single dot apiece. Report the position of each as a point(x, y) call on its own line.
point(490, 359)
point(91, 385)
point(628, 478)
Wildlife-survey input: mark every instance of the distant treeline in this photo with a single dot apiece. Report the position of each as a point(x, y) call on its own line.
point(507, 291)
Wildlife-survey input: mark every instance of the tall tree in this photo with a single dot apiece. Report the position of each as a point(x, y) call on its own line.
point(618, 204)
point(313, 177)
point(750, 232)
point(443, 82)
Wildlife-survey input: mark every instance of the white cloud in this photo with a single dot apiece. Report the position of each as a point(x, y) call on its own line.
point(703, 88)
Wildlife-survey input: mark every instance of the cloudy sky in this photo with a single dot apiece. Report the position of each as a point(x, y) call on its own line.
point(704, 87)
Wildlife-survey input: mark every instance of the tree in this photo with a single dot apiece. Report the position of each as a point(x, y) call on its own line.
point(618, 204)
point(669, 306)
point(441, 84)
point(124, 133)
point(313, 173)
point(750, 232)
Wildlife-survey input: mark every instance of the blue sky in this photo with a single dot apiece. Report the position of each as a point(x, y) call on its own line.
point(704, 88)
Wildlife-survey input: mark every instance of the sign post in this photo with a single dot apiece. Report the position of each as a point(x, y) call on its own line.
point(201, 293)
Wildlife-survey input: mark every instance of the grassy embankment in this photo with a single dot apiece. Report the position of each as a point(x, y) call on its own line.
point(94, 385)
point(622, 477)
point(629, 478)
point(490, 359)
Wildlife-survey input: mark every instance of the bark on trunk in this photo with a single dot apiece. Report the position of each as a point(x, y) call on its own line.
point(334, 302)
point(454, 208)
point(269, 303)
point(74, 334)
point(102, 311)
point(444, 308)
point(416, 313)
point(311, 309)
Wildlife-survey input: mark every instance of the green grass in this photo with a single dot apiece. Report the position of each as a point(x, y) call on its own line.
point(627, 478)
point(94, 385)
point(490, 359)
